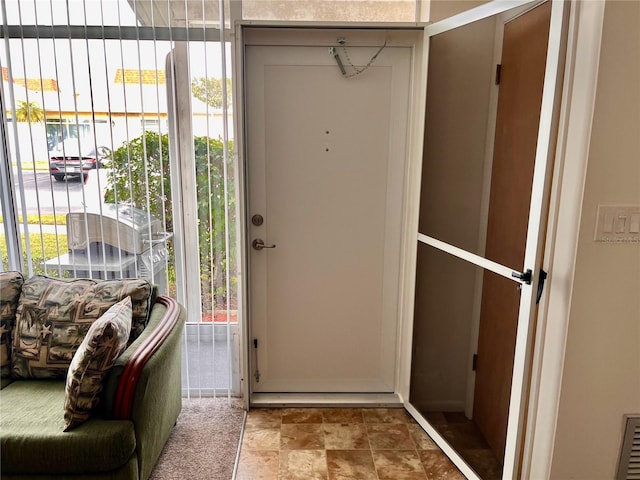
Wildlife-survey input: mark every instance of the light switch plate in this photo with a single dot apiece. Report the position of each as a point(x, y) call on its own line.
point(618, 224)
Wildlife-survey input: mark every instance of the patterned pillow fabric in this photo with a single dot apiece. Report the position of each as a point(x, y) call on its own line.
point(105, 341)
point(54, 316)
point(10, 288)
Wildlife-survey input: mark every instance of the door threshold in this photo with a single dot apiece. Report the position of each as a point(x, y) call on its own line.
point(325, 400)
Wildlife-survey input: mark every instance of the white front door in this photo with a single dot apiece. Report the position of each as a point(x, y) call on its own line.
point(326, 162)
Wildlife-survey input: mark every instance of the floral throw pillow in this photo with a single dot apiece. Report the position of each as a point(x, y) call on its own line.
point(54, 315)
point(10, 288)
point(105, 341)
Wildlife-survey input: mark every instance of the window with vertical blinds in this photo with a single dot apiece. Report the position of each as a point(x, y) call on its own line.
point(119, 160)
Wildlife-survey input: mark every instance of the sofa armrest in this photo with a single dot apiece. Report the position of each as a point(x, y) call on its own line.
point(128, 381)
point(120, 384)
point(144, 385)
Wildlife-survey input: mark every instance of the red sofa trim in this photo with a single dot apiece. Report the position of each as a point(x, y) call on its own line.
point(128, 381)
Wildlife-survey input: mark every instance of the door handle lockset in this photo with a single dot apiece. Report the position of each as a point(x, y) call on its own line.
point(258, 244)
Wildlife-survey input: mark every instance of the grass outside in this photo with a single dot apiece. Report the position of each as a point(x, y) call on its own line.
point(36, 165)
point(43, 247)
point(43, 219)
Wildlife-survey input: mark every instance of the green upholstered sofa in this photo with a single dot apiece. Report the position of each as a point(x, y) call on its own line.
point(123, 438)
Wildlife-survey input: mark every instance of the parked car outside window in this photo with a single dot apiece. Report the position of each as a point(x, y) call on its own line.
point(73, 159)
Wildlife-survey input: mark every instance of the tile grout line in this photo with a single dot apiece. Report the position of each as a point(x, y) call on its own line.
point(366, 431)
point(280, 443)
point(326, 455)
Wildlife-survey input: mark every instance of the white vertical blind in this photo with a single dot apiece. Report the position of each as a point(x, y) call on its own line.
point(84, 93)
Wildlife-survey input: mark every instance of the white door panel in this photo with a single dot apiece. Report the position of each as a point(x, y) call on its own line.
point(326, 159)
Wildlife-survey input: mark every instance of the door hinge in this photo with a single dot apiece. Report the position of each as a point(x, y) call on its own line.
point(498, 73)
point(474, 362)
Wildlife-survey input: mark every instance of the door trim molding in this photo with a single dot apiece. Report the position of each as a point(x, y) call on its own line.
point(408, 36)
point(411, 209)
point(238, 92)
point(538, 218)
point(574, 133)
point(324, 36)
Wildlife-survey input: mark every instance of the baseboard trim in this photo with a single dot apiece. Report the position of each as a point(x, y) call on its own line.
point(277, 400)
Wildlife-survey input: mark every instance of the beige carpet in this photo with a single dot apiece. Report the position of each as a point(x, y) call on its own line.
point(203, 443)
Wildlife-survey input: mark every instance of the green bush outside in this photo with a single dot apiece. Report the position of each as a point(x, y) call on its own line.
point(140, 176)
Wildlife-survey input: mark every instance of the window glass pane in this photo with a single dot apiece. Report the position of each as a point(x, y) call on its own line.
point(89, 139)
point(70, 12)
point(77, 141)
point(158, 13)
point(215, 179)
point(327, 11)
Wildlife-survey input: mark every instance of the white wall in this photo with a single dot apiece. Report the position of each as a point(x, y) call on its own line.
point(32, 140)
point(441, 9)
point(601, 379)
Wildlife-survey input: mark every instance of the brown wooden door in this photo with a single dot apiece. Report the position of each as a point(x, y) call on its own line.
point(519, 102)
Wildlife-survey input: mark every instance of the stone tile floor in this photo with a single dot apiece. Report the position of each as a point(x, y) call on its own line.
point(465, 437)
point(339, 444)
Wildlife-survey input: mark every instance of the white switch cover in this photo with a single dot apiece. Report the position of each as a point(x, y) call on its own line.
point(634, 224)
point(618, 224)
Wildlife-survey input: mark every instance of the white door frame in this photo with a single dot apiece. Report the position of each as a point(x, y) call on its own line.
point(405, 35)
point(572, 151)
